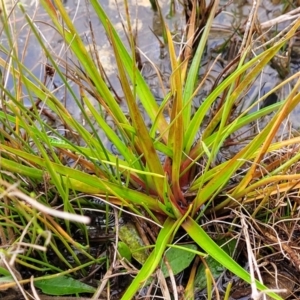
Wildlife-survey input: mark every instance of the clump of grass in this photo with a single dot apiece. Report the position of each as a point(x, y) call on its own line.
point(166, 173)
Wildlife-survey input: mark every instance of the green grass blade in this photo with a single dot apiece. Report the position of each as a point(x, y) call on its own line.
point(143, 141)
point(154, 258)
point(206, 105)
point(193, 73)
point(143, 91)
point(216, 252)
point(75, 43)
point(176, 131)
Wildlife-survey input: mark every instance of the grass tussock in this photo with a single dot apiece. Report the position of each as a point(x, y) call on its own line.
point(104, 187)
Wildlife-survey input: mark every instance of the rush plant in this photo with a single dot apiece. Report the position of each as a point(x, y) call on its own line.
point(167, 171)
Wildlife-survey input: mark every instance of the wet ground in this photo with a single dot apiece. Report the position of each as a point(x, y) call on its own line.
point(225, 30)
